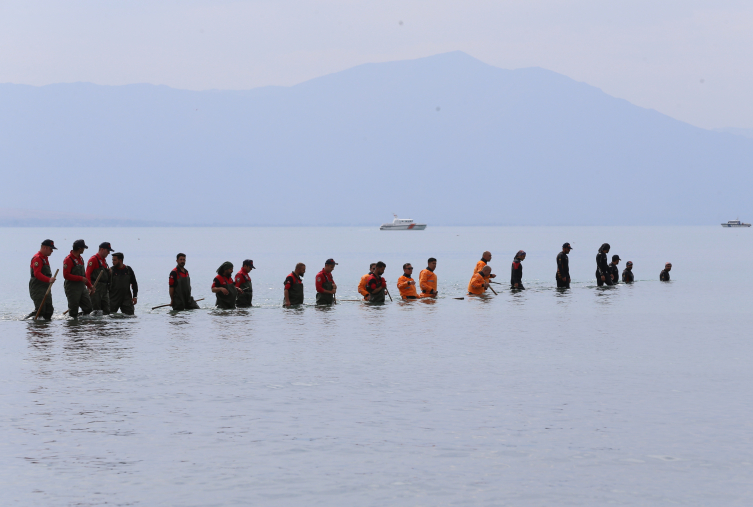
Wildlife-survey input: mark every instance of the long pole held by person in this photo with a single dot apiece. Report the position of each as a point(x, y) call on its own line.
point(44, 299)
point(170, 304)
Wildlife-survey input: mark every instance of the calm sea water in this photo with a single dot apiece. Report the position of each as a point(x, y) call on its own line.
point(629, 395)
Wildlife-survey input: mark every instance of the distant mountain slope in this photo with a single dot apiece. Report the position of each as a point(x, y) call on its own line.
point(736, 131)
point(11, 217)
point(445, 139)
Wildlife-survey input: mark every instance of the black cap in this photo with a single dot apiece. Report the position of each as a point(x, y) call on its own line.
point(105, 245)
point(50, 243)
point(629, 263)
point(249, 263)
point(616, 258)
point(330, 261)
point(79, 243)
point(567, 245)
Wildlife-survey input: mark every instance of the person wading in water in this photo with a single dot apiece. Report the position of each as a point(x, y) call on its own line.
point(364, 280)
point(243, 282)
point(100, 296)
point(326, 288)
point(516, 271)
point(122, 281)
point(41, 280)
point(664, 275)
point(224, 287)
point(293, 292)
point(627, 273)
point(614, 270)
point(180, 286)
point(427, 280)
point(377, 285)
point(77, 286)
point(603, 276)
point(563, 267)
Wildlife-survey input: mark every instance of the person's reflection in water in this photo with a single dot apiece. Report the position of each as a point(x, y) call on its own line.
point(40, 335)
point(95, 338)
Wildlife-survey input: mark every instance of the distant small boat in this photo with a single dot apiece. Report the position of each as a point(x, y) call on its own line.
point(402, 224)
point(735, 223)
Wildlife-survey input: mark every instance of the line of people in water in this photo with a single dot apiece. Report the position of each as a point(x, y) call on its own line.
point(96, 286)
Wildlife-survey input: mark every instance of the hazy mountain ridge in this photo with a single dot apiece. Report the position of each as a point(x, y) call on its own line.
point(445, 139)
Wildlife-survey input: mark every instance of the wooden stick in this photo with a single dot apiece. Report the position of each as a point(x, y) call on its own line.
point(95, 286)
point(458, 298)
point(388, 293)
point(169, 304)
point(494, 291)
point(44, 299)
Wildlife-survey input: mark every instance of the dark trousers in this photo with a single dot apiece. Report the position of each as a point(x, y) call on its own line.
point(101, 299)
point(607, 278)
point(78, 297)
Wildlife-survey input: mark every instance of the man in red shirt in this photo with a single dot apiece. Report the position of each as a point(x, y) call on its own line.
point(243, 282)
point(77, 285)
point(41, 279)
point(293, 293)
point(98, 264)
point(325, 284)
point(180, 286)
point(376, 285)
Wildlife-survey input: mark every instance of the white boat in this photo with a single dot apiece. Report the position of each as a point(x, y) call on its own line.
point(735, 223)
point(402, 224)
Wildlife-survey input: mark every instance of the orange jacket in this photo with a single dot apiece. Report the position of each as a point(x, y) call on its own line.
point(479, 266)
point(407, 287)
point(362, 285)
point(476, 285)
point(427, 280)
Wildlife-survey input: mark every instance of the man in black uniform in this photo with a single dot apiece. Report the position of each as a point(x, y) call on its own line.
point(603, 276)
point(293, 292)
point(563, 267)
point(180, 286)
point(627, 273)
point(122, 281)
point(516, 271)
point(664, 275)
point(614, 272)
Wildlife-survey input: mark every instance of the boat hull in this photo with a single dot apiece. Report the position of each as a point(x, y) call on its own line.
point(408, 227)
point(735, 225)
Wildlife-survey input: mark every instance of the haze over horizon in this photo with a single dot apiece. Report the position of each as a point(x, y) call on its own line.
point(688, 59)
point(445, 139)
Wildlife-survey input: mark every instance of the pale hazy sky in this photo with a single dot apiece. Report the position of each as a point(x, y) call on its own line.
point(690, 59)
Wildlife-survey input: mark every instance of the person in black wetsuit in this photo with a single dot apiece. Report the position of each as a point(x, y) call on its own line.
point(627, 273)
point(516, 275)
point(603, 275)
point(664, 275)
point(563, 267)
point(613, 270)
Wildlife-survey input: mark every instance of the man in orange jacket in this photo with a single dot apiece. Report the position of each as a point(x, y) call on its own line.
point(486, 257)
point(364, 279)
point(479, 282)
point(406, 285)
point(427, 280)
